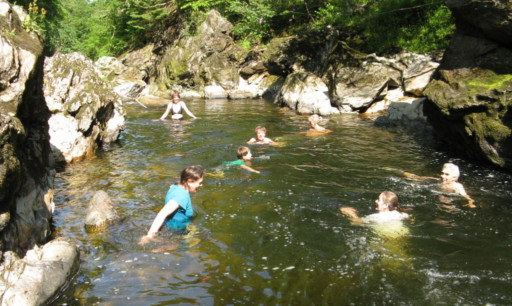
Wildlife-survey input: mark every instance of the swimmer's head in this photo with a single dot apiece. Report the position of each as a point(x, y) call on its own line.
point(450, 172)
point(260, 132)
point(192, 177)
point(387, 201)
point(244, 153)
point(314, 119)
point(175, 96)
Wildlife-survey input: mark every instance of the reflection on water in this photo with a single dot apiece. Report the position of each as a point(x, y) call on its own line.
point(278, 237)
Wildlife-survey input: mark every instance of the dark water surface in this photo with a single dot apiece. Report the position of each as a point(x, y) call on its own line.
point(278, 237)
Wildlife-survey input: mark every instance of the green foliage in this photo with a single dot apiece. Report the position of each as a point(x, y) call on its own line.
point(414, 25)
point(35, 18)
point(110, 27)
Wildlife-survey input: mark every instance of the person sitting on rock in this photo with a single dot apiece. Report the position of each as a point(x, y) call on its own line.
point(244, 155)
point(176, 108)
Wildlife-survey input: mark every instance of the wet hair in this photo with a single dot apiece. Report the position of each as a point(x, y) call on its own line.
point(193, 173)
point(175, 94)
point(314, 118)
point(453, 169)
point(262, 128)
point(242, 151)
point(390, 199)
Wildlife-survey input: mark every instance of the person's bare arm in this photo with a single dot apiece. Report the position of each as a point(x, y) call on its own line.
point(416, 177)
point(168, 209)
point(351, 213)
point(167, 110)
point(249, 168)
point(460, 190)
point(184, 106)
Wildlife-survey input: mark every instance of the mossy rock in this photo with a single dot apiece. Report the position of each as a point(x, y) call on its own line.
point(472, 113)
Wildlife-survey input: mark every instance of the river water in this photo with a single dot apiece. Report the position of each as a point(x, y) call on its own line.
point(278, 237)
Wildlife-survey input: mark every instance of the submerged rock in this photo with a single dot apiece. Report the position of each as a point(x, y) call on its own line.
point(101, 212)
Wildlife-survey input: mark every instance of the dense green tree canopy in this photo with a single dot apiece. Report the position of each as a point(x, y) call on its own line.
point(110, 27)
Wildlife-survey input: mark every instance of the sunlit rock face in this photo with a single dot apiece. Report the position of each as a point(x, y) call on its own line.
point(469, 101)
point(86, 113)
point(26, 164)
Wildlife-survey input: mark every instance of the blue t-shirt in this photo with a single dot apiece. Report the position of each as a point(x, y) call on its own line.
point(181, 217)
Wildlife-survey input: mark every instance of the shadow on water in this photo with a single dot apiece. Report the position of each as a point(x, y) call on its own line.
point(278, 237)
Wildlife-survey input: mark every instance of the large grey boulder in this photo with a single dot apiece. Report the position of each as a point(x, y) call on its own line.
point(469, 102)
point(306, 93)
point(26, 164)
point(38, 276)
point(129, 74)
point(366, 79)
point(85, 110)
point(210, 58)
point(101, 212)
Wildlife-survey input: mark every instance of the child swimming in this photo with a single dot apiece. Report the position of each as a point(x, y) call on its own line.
point(243, 154)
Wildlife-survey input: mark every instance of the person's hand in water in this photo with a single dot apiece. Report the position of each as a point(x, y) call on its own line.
point(351, 212)
point(146, 238)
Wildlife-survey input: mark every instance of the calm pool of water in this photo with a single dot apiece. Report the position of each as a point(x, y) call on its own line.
point(278, 237)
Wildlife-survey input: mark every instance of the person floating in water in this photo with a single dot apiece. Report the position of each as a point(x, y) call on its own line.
point(315, 128)
point(177, 209)
point(176, 108)
point(243, 154)
point(260, 137)
point(449, 182)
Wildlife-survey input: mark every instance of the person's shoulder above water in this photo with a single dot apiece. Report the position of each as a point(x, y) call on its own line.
point(260, 136)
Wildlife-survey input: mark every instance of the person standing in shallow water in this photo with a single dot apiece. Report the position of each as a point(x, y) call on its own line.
point(176, 108)
point(177, 209)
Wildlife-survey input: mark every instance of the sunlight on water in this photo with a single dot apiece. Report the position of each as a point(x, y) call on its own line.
point(278, 237)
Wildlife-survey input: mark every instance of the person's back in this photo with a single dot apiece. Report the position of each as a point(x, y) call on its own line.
point(387, 221)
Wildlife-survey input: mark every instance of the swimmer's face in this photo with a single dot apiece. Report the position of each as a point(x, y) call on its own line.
point(175, 99)
point(260, 135)
point(381, 206)
point(194, 185)
point(447, 177)
point(248, 156)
